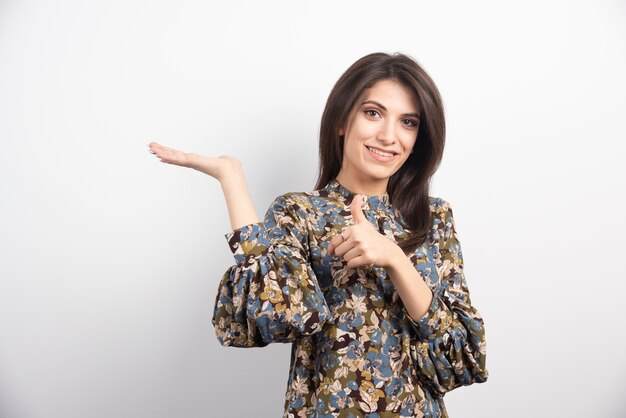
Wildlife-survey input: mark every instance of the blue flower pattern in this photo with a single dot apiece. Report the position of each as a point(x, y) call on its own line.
point(355, 350)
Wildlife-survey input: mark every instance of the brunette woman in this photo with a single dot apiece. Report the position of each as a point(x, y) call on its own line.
point(364, 274)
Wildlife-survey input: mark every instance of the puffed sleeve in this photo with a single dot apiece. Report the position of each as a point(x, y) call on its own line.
point(450, 349)
point(271, 294)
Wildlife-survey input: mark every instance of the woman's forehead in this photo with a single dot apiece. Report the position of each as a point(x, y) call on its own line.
point(388, 93)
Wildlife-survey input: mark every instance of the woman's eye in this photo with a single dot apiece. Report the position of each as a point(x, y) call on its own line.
point(371, 112)
point(410, 122)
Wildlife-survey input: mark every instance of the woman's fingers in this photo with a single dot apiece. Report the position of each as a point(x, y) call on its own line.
point(336, 241)
point(352, 253)
point(360, 261)
point(220, 167)
point(169, 155)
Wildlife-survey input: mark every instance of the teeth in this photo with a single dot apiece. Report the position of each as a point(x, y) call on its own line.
point(384, 154)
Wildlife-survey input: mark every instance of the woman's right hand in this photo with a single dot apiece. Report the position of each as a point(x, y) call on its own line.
point(220, 167)
point(227, 170)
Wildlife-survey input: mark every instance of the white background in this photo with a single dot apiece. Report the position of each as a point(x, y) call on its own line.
point(110, 259)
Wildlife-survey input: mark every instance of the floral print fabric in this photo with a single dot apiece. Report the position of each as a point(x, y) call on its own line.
point(355, 350)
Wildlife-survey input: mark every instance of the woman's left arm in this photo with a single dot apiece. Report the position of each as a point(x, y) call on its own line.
point(450, 349)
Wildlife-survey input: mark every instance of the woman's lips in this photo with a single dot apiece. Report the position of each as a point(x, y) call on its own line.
point(379, 157)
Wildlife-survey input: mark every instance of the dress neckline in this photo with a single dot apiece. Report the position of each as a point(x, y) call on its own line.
point(370, 202)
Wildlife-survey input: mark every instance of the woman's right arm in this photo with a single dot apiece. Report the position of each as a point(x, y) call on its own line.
point(271, 294)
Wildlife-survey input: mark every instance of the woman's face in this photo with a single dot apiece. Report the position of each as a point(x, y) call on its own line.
point(385, 118)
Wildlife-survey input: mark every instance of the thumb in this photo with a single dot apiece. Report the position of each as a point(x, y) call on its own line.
point(355, 208)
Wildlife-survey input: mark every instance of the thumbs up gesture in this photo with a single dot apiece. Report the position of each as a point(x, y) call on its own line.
point(361, 243)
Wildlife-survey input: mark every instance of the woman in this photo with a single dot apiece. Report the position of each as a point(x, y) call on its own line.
point(368, 287)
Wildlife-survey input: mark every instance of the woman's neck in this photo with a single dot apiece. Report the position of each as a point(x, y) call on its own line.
point(369, 189)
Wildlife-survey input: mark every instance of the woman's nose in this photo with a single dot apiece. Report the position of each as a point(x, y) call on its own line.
point(386, 132)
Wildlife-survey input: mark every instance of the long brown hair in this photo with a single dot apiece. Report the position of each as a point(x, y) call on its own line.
point(408, 188)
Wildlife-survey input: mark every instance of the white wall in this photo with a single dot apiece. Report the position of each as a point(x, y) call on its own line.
point(110, 259)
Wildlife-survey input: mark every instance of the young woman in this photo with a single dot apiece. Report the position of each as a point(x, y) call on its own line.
point(363, 275)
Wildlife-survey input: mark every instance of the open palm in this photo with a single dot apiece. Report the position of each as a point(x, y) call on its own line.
point(216, 167)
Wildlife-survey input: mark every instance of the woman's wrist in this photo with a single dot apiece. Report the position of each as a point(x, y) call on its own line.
point(396, 259)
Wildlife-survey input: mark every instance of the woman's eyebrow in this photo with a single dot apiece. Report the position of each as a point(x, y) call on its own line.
point(415, 115)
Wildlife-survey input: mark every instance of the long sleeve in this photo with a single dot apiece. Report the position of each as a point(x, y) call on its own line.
point(450, 349)
point(271, 294)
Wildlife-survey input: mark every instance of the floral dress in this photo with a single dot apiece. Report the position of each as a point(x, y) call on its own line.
point(355, 350)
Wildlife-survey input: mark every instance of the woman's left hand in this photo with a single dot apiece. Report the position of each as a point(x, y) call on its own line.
point(361, 243)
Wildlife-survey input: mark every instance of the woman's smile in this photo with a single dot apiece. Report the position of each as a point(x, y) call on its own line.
point(381, 156)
